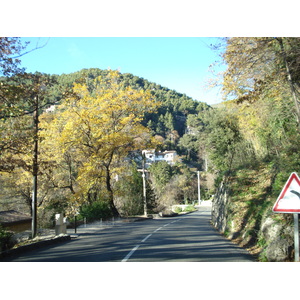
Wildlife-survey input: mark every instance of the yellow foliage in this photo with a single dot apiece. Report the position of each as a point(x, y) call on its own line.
point(98, 129)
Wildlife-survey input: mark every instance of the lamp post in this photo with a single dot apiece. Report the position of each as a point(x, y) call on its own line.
point(144, 188)
point(143, 171)
point(199, 195)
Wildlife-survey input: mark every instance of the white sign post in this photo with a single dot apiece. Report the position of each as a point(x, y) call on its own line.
point(289, 202)
point(296, 236)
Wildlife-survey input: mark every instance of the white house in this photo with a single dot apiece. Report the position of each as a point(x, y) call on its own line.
point(152, 156)
point(50, 109)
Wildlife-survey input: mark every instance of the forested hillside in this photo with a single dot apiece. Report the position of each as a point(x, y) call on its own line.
point(170, 116)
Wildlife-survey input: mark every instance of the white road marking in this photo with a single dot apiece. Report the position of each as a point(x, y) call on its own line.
point(137, 246)
point(145, 239)
point(130, 253)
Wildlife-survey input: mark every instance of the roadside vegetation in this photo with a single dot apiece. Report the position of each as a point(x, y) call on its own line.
point(255, 147)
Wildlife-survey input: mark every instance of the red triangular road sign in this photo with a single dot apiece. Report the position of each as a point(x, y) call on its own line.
point(289, 198)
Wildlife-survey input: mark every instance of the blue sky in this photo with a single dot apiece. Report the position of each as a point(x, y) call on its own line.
point(179, 63)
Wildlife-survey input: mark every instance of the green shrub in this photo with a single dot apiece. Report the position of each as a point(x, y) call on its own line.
point(177, 209)
point(189, 208)
point(96, 211)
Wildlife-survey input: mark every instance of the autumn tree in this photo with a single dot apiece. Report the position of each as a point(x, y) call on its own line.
point(258, 63)
point(11, 49)
point(26, 95)
point(96, 130)
point(11, 91)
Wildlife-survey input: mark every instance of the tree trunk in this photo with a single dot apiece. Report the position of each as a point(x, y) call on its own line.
point(109, 188)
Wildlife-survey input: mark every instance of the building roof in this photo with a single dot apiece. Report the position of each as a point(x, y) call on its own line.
point(169, 151)
point(159, 152)
point(13, 216)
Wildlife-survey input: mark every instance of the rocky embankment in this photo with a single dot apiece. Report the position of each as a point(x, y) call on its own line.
point(242, 211)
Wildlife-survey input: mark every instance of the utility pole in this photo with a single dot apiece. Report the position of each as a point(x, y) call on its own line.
point(35, 167)
point(144, 188)
point(199, 196)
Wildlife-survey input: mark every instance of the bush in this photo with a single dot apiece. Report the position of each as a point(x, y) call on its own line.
point(96, 211)
point(177, 209)
point(189, 208)
point(5, 238)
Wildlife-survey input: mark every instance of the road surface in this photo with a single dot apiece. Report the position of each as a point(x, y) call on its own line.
point(185, 238)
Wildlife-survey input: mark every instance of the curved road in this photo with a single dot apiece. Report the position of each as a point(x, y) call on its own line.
point(183, 238)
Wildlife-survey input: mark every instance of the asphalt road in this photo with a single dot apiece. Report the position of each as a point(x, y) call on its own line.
point(186, 238)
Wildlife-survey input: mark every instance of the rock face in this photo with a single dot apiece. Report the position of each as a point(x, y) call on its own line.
point(277, 237)
point(279, 250)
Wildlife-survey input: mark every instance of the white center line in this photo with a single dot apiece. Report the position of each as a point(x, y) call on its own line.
point(146, 238)
point(130, 253)
point(158, 229)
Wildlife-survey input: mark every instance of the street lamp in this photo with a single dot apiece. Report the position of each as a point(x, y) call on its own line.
point(144, 187)
point(144, 193)
point(143, 171)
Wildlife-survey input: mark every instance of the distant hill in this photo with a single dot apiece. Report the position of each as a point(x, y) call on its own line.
point(171, 115)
